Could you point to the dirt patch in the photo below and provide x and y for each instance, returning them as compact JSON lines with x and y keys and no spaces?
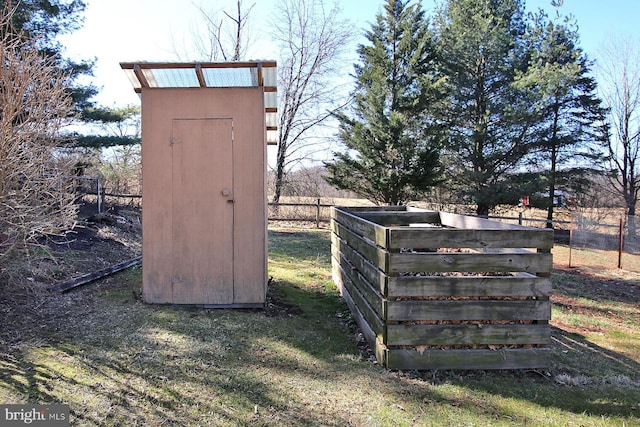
{"x":80,"y":238}
{"x":575,"y":306}
{"x":27,"y":307}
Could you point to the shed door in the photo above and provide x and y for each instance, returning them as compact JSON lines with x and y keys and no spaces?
{"x":202,"y":212}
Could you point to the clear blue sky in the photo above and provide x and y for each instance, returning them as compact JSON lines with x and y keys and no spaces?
{"x":126,"y":30}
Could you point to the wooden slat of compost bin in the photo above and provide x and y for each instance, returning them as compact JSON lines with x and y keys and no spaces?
{"x":468,"y":310}
{"x":366,"y":289}
{"x":464,"y":262}
{"x":517,"y":358}
{"x":375,"y":277}
{"x":365,"y":328}
{"x":418,"y":237}
{"x":377,"y":256}
{"x":472,"y":222}
{"x":470,"y":334}
{"x":402,"y":218}
{"x":369,"y":334}
{"x":347,"y":286}
{"x":360,"y":209}
{"x":367,"y":229}
{"x":495,"y":286}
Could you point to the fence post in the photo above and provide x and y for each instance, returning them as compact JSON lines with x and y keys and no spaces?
{"x":620,"y":241}
{"x":318,"y":214}
{"x":570,"y":239}
{"x":98,"y":195}
{"x":519,"y":218}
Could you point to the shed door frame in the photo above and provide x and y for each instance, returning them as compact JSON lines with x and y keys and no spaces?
{"x":203,"y":211}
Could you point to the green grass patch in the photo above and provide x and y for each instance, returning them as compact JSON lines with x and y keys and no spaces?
{"x":118,"y":361}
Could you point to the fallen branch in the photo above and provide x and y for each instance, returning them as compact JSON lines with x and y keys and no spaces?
{"x":90,"y":277}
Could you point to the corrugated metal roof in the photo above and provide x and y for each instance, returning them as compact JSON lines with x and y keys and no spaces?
{"x":211,"y":74}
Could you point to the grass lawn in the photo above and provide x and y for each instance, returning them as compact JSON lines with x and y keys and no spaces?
{"x":118,"y":361}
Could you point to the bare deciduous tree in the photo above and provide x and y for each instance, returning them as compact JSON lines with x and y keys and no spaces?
{"x":619,"y":76}
{"x":34,"y":189}
{"x":310,"y":38}
{"x":224,"y":37}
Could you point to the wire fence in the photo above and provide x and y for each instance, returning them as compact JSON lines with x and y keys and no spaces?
{"x":315,"y":213}
{"x":606,"y":242}
{"x":597,"y":238}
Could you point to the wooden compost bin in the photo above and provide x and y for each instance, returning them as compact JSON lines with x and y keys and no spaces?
{"x":435,"y":290}
{"x":205,"y":128}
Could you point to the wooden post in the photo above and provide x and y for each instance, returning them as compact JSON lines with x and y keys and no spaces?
{"x":90,"y":277}
{"x":99,"y":199}
{"x":519,"y":218}
{"x":620,"y":241}
{"x":103,"y":196}
{"x":570,"y":239}
{"x":318,"y":214}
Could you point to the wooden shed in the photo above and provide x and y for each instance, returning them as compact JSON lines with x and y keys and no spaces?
{"x":205,"y":128}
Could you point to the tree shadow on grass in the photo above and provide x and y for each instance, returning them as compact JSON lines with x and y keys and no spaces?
{"x":181,"y":365}
{"x":583,"y":283}
{"x":584,"y":378}
{"x":25,"y":379}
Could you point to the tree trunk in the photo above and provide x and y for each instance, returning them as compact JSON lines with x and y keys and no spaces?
{"x":279,"y":181}
{"x":482,"y":209}
{"x":631,"y":217}
{"x":550,"y":209}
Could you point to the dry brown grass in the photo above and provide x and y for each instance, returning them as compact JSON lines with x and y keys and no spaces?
{"x":35,"y":197}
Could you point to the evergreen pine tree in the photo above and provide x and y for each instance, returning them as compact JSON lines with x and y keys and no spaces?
{"x":42,"y":22}
{"x":570,"y":116}
{"x":392,"y":140}
{"x":481,"y":48}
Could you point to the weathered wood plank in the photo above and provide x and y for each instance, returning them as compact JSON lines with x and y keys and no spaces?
{"x":369,"y":334}
{"x":517,"y":358}
{"x":366,"y":289}
{"x":495,"y":286}
{"x":368,"y":312}
{"x":90,"y":277}
{"x":377,"y":256}
{"x":398,"y":218}
{"x":420,"y":237}
{"x":465,"y":262}
{"x":367,"y":229}
{"x":376,"y":278}
{"x":468,"y":334}
{"x":472,"y":222}
{"x":360,"y":209}
{"x":468,"y":310}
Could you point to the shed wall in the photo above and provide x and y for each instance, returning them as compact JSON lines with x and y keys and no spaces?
{"x":182,"y":197}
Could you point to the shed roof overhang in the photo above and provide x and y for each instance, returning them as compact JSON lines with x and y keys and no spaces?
{"x":211,"y":74}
